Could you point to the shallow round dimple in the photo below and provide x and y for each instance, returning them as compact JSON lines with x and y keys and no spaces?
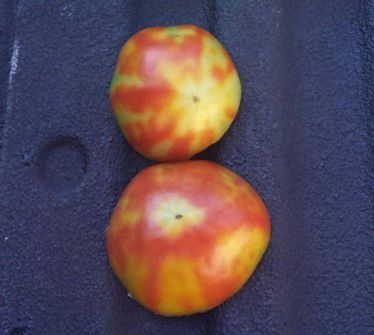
{"x":62,"y":164}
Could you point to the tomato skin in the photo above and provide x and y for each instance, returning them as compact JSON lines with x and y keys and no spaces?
{"x":175,"y":91}
{"x":184,"y":237}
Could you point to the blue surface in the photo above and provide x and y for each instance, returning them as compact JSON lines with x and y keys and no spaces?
{"x":303,"y":138}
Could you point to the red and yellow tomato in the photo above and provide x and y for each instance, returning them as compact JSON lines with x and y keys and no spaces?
{"x":184,"y":237}
{"x":175,"y":91}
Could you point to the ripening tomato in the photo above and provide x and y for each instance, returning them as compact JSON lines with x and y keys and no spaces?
{"x":184,"y":237}
{"x":175,"y":91}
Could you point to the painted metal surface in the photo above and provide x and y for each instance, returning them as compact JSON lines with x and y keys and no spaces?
{"x":303,"y":138}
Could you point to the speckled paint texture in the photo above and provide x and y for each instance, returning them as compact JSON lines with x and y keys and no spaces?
{"x":303,"y":138}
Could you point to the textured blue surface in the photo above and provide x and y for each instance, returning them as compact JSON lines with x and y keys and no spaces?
{"x":303,"y":138}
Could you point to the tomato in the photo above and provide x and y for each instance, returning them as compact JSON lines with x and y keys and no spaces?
{"x":175,"y":91}
{"x":184,"y":237}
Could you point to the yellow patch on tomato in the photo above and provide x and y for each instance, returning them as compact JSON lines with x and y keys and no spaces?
{"x":123,"y":116}
{"x":179,"y":287}
{"x":128,"y":50}
{"x":231,"y":190}
{"x":160,"y":150}
{"x":239,"y":252}
{"x":134,"y":277}
{"x":128,"y":80}
{"x":240,"y":189}
{"x":173,"y":213}
{"x":127,"y":215}
{"x":199,"y":96}
{"x":177,"y":33}
{"x":131,"y":217}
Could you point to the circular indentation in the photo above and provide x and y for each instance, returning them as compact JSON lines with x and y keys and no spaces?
{"x":62,"y":164}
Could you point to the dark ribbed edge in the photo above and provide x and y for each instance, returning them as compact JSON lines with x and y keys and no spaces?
{"x":365,"y":21}
{"x":7,"y":28}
